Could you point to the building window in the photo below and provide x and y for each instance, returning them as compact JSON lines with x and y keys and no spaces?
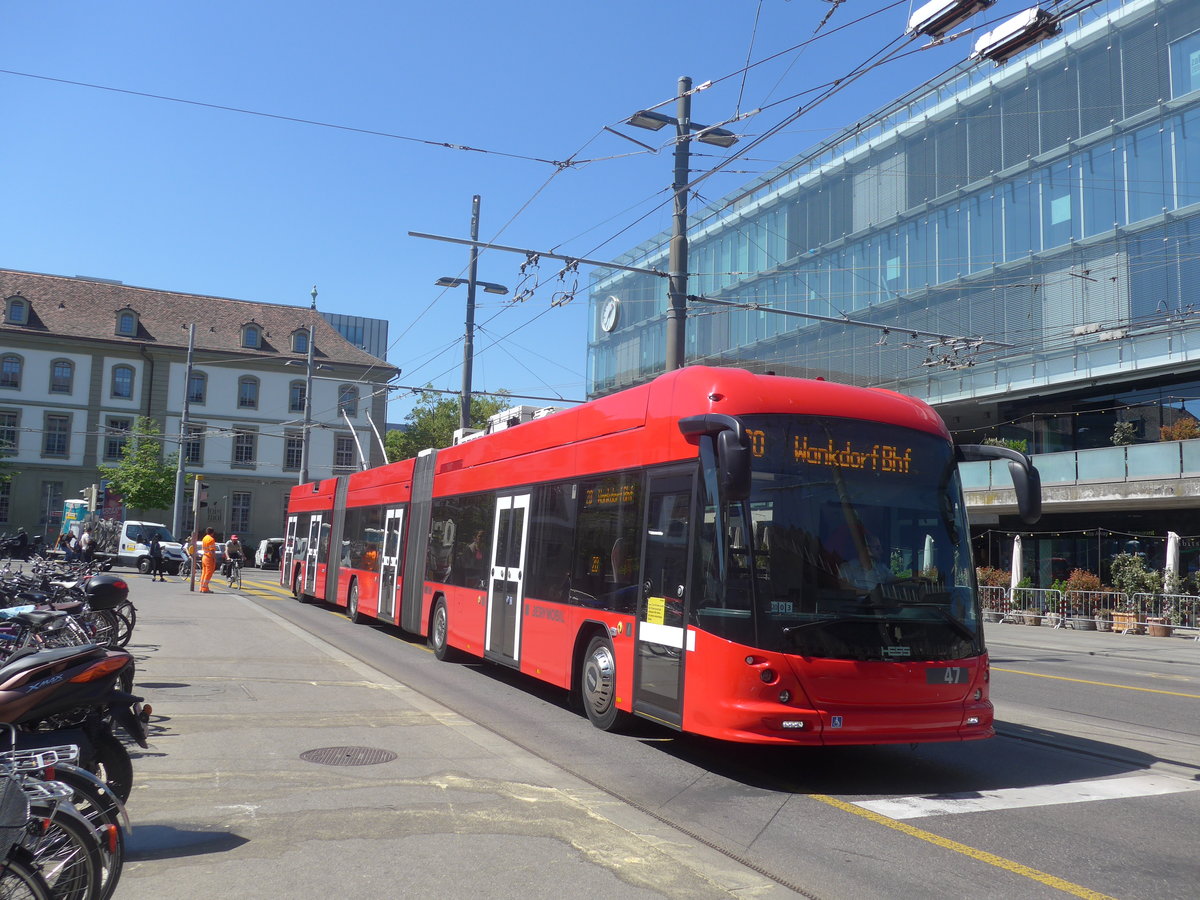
{"x":56,"y":436}
{"x":197,"y":387}
{"x":244,"y":447}
{"x":239,"y":512}
{"x":5,"y":500}
{"x":17,"y":312}
{"x":193,"y":445}
{"x":115,"y":436}
{"x":10,"y":421}
{"x":293,"y":451}
{"x":1185,"y":65}
{"x":348,"y":400}
{"x":251,"y":336}
{"x":127,"y":323}
{"x":296,"y":397}
{"x":122,"y":382}
{"x":300,"y":341}
{"x":10,"y":371}
{"x":247,"y":392}
{"x":343,"y":452}
{"x":62,"y":376}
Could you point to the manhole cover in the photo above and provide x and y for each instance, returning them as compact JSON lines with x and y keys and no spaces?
{"x":348,"y":756}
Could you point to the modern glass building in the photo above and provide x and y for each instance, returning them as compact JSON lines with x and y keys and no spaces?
{"x":1043,"y":217}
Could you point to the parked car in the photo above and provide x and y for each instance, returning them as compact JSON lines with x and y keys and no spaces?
{"x":267,"y":554}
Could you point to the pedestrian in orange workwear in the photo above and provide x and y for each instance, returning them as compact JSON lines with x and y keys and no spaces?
{"x":208,"y":560}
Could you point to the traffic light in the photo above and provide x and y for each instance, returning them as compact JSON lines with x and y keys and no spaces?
{"x":199,"y":496}
{"x":91,"y":494}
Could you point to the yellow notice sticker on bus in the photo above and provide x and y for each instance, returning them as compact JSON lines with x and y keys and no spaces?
{"x":656,"y":610}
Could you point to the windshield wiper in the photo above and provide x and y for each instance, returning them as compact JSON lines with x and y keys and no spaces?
{"x":956,"y":623}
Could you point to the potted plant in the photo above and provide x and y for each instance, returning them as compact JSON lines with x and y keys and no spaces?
{"x":1130,"y":576}
{"x":1079,"y":584}
{"x":1029,"y":616}
{"x":990,"y":577}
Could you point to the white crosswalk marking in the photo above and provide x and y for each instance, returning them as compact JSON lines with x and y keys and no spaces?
{"x":1042,"y":795}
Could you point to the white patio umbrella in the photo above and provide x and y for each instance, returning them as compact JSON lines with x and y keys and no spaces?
{"x":1018,"y":564}
{"x":927,"y":554}
{"x":1172,"y":553}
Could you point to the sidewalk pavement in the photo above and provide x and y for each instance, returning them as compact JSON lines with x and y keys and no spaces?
{"x":224,"y":804}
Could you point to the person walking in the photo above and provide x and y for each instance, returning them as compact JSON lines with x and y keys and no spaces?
{"x":85,"y":544}
{"x":156,"y":560}
{"x":208,"y":560}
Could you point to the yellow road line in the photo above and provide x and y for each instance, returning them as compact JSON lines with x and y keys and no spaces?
{"x":1124,"y":687}
{"x":983,"y":856}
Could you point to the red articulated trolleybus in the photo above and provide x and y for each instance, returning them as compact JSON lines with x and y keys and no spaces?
{"x":748,"y":557}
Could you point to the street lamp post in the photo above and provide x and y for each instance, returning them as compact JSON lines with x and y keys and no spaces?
{"x":308,"y":376}
{"x":469,"y":337}
{"x":177,"y":509}
{"x":678,"y":254}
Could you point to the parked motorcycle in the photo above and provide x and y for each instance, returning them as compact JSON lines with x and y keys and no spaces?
{"x":70,"y":695}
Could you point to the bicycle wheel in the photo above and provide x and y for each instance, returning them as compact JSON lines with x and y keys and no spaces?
{"x":67,"y":850}
{"x":235,"y":578}
{"x":102,"y":625}
{"x":102,"y":808}
{"x":185,"y":570}
{"x":126,"y":618}
{"x":20,"y":878}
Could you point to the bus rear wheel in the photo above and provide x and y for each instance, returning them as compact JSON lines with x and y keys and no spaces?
{"x":439,"y":632}
{"x":598,"y":684}
{"x":352,"y":612}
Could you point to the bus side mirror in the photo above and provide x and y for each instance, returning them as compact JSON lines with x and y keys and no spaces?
{"x":1027,"y":482}
{"x":733,"y":464}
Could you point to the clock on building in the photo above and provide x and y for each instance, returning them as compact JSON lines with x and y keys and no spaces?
{"x":610,"y":313}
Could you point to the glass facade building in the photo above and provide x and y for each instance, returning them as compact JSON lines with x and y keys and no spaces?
{"x":1043,"y":216}
{"x":1051,"y":205}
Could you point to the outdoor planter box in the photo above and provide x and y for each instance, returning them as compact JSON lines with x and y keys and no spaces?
{"x":1128,"y":622}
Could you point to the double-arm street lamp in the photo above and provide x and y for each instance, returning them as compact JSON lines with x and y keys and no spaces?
{"x":471,"y":282}
{"x":685,"y":130}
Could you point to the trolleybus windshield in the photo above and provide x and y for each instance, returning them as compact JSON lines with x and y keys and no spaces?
{"x":853,"y":544}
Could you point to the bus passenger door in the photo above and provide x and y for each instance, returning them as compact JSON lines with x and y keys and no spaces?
{"x":506,"y":587}
{"x":289,"y":551}
{"x":310,"y":557}
{"x":663,"y":599}
{"x":389,"y":562}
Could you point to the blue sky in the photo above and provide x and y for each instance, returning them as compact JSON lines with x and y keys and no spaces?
{"x":188,"y":197}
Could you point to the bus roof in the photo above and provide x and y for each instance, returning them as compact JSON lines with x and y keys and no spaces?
{"x":638,"y":426}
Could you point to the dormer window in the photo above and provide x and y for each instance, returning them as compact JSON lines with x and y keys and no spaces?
{"x":251,"y":336}
{"x":17,"y":311}
{"x":127,"y":323}
{"x":300,"y":341}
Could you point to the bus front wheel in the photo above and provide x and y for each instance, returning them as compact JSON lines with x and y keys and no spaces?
{"x":598,"y":684}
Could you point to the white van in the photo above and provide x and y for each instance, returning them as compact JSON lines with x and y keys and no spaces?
{"x":268,"y":552}
{"x":133,"y":546}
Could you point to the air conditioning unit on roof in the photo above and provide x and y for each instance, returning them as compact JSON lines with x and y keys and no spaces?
{"x":507,"y":418}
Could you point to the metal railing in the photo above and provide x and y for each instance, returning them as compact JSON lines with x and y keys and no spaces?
{"x":1142,"y":613}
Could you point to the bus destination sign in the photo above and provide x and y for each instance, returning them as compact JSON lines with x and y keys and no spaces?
{"x":870,"y":458}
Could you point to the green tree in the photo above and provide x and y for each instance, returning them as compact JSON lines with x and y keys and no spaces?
{"x":433,"y":421}
{"x":143,"y":478}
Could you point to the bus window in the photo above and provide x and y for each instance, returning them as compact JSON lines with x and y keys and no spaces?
{"x":607,"y":560}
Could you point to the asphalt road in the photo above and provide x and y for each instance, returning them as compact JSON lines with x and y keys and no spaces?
{"x":1091,"y":788}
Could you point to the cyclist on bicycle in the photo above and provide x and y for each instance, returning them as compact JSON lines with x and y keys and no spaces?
{"x":233,"y":551}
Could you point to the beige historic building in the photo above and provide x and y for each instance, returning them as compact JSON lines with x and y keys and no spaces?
{"x":81,"y":359}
